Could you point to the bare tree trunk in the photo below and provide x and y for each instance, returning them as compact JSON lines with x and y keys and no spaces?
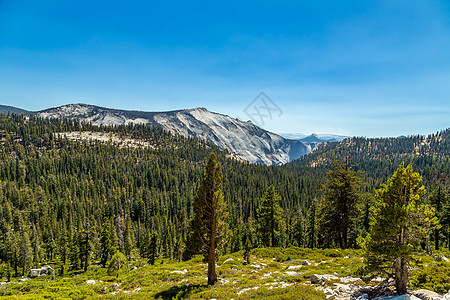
{"x":212,"y":276}
{"x":345,"y":238}
{"x":401,"y":275}
{"x":272,"y":225}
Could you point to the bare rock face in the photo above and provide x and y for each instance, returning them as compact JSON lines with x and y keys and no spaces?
{"x":244,"y":140}
{"x":44,"y":271}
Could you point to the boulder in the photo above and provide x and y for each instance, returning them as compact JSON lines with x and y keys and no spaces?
{"x":319,"y":278}
{"x":328,"y":291}
{"x":35,"y":273}
{"x":349,"y":279}
{"x":90,"y":281}
{"x":294,"y":267}
{"x":305,"y":263}
{"x":43,"y":271}
{"x":341,"y":287}
{"x":426,"y":294}
{"x":397,"y":297}
{"x":315,"y":278}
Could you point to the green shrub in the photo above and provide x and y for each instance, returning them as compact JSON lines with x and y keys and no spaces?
{"x":116,"y":263}
{"x":435,"y":277}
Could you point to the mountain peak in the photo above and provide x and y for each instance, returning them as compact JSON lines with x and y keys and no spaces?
{"x":197,"y":109}
{"x":313,"y":138}
{"x":244,"y":140}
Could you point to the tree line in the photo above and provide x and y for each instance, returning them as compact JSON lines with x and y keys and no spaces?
{"x":78,"y":202}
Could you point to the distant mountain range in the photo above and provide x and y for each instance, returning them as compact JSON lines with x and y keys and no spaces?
{"x":314,"y":138}
{"x":244,"y":140}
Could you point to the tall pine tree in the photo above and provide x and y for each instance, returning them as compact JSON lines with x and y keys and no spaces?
{"x":209,"y":224}
{"x":269,"y":216}
{"x":338,"y":206}
{"x":398,"y":225}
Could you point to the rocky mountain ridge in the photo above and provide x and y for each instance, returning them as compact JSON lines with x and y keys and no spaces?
{"x":244,"y":140}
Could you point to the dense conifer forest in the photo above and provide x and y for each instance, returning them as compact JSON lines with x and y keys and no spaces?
{"x":75,"y":202}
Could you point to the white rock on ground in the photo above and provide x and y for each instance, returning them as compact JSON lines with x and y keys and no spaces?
{"x":43,"y":271}
{"x":90,"y":281}
{"x":269,"y":274}
{"x":315,"y":278}
{"x":306,"y":263}
{"x":349,"y":279}
{"x":397,"y":297}
{"x":341,"y":287}
{"x":247,"y":289}
{"x":294,"y":267}
{"x":229,"y":259}
{"x":291,"y":273}
{"x":426,"y":294}
{"x":180,"y":272}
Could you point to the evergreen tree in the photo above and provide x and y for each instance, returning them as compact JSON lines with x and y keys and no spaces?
{"x":339,"y":204}
{"x":311,"y":232}
{"x":153,"y":248}
{"x":85,"y":248}
{"x":444,"y":217}
{"x":398,"y":225}
{"x":144,"y":245}
{"x":74,"y":252}
{"x":26,"y":254}
{"x":63,"y":251}
{"x":106,"y":248}
{"x":299,"y":230}
{"x":209,"y":226}
{"x":128,"y":243}
{"x":116,"y":263}
{"x":247,"y":241}
{"x":269,"y":217}
{"x":437,"y":199}
{"x":13,"y":251}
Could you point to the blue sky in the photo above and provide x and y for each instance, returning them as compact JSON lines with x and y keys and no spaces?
{"x":364,"y":68}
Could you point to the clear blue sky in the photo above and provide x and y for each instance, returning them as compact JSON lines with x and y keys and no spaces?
{"x":365,"y":68}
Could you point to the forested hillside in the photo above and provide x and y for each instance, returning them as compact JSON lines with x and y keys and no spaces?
{"x":379,"y":157}
{"x":62,"y":199}
{"x":60,"y":192}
